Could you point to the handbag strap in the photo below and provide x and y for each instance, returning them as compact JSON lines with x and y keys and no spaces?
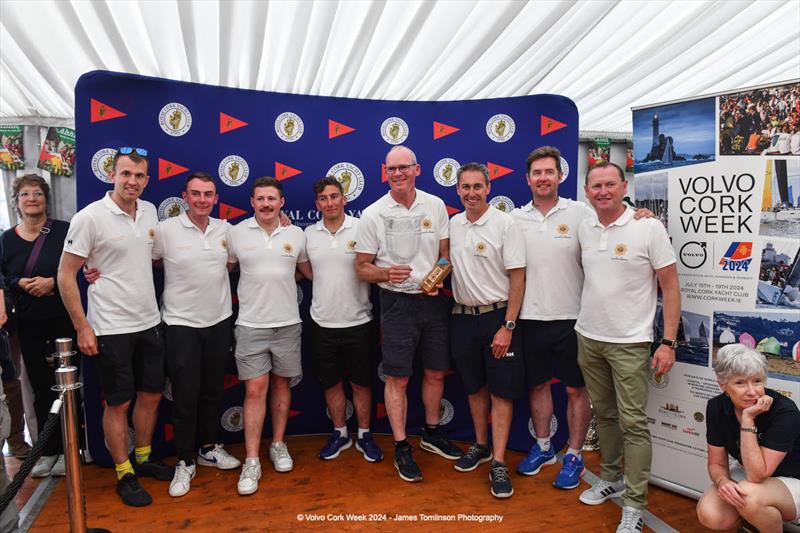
{"x":37,"y":248}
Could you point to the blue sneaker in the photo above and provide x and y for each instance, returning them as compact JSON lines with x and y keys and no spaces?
{"x":571,"y":472}
{"x":371,"y":452}
{"x":335,"y":445}
{"x":535,"y":460}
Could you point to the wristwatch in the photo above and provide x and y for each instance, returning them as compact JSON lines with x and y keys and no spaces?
{"x":510,"y":325}
{"x":669,"y":342}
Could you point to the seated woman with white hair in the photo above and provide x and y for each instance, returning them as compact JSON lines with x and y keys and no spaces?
{"x":760,"y":428}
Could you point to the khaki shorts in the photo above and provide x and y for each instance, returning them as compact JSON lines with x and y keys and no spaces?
{"x":263,"y":350}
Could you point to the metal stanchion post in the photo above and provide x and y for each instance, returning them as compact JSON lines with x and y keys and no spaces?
{"x":67,"y":382}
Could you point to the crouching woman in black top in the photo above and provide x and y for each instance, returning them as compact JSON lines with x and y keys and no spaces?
{"x":760,"y":428}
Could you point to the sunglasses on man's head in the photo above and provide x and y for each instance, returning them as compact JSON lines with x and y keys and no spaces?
{"x":127,"y":150}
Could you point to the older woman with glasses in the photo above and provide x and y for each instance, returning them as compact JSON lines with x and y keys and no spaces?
{"x":760,"y":428}
{"x":30,"y":255}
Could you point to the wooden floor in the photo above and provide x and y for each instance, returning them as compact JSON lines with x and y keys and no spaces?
{"x":348,"y":484}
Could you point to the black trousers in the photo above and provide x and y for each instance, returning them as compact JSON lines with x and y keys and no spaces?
{"x":37,"y":341}
{"x":196,"y":361}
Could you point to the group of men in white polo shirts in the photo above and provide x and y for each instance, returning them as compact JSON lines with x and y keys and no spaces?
{"x":490,"y":252}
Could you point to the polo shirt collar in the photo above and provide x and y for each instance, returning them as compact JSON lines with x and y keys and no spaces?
{"x":114,"y":208}
{"x":253,"y":223}
{"x":187,"y":222}
{"x":481,"y":221}
{"x":562,"y":203}
{"x":623,"y":219}
{"x":348,"y":223}
{"x":419,"y":199}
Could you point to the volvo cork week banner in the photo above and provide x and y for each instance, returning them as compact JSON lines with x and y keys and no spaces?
{"x":239,"y":135}
{"x":723,"y":173}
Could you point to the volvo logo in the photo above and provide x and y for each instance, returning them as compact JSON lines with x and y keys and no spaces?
{"x":693,"y":254}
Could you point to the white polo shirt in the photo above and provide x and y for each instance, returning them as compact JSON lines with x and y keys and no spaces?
{"x":619,"y":293}
{"x":554,"y":275}
{"x":123,"y":299}
{"x":482,"y":252}
{"x":267,"y":290}
{"x":197,"y":290}
{"x":339,"y":299}
{"x":427,"y":211}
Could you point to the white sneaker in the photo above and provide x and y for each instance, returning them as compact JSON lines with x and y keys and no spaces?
{"x":248,"y":479}
{"x":218,"y":457}
{"x":182,"y":481}
{"x":602,"y":491}
{"x":60,"y":468}
{"x":44,"y":466}
{"x":631,"y":521}
{"x":279,"y":455}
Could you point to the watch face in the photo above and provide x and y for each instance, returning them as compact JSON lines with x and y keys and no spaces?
{"x":511,"y":324}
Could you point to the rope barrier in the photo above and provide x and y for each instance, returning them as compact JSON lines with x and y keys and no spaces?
{"x":53,"y":420}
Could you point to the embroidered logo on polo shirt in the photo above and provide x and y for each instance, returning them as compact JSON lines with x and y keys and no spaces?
{"x":562,"y":232}
{"x":426,"y":224}
{"x":224,"y":244}
{"x":287,"y":249}
{"x":351,"y":246}
{"x":480,"y":249}
{"x":621,"y":252}
{"x":152,"y":233}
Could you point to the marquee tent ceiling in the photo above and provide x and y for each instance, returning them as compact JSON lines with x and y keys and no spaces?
{"x":606,"y":55}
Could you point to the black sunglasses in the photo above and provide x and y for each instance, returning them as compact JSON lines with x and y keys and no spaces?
{"x":127,"y":150}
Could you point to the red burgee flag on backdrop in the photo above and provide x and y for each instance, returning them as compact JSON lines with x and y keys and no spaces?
{"x":167,"y":169}
{"x":169,"y":432}
{"x":549,"y":125}
{"x":380,"y":410}
{"x":452,"y":210}
{"x":292,"y":413}
{"x":384,"y":179}
{"x":228,"y":212}
{"x":442,"y":130}
{"x":285,"y":171}
{"x":337,"y":128}
{"x":230,"y":380}
{"x":228,"y":123}
{"x":496,"y":171}
{"x":100,"y":111}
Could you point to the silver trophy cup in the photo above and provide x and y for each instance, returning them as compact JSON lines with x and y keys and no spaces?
{"x":403,"y":241}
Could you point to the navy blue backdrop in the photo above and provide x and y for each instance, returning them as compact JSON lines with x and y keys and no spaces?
{"x":237,"y":135}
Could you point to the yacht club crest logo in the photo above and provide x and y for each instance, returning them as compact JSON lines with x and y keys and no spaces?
{"x":553,"y":427}
{"x":563,"y":230}
{"x":175,"y":119}
{"x":480,"y":248}
{"x":348,"y":411}
{"x":564,"y":170}
{"x":394,"y":130}
{"x":289,"y":126}
{"x":172,"y":207}
{"x":233,"y":170}
{"x":446,"y":412}
{"x":503,"y":203}
{"x":102,"y":164}
{"x":446,"y":171}
{"x":621,"y":251}
{"x":500,"y":128}
{"x":350,"y":177}
{"x":233,"y":419}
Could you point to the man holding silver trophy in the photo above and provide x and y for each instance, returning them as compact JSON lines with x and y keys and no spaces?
{"x":401,"y":239}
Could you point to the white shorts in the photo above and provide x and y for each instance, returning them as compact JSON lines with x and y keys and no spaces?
{"x":794,"y":489}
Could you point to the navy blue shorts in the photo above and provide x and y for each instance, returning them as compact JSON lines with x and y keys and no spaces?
{"x":414,"y":325}
{"x":130,"y":362}
{"x":547,"y":343}
{"x":471,"y":348}
{"x":343,"y":352}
